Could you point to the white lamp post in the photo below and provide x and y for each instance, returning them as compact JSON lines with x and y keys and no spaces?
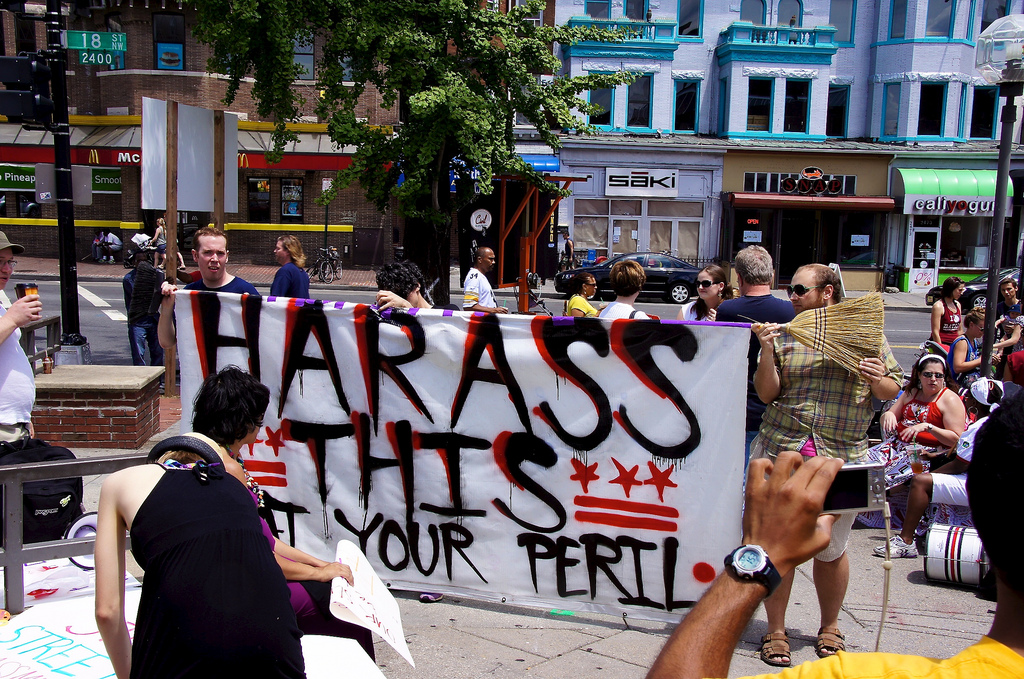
{"x":999,"y":60}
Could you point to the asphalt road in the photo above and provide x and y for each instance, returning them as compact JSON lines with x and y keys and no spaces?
{"x":104,"y":324}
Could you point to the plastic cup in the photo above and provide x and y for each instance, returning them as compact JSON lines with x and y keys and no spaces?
{"x":916,"y":463}
{"x":26,"y":289}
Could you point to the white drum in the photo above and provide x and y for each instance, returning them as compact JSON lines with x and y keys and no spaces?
{"x":955,"y":554}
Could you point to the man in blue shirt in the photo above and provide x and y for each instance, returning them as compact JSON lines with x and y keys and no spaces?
{"x":754,"y":272}
{"x":211,"y":256}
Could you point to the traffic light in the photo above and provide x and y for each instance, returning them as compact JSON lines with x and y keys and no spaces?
{"x":27,"y":97}
{"x":16,"y":7}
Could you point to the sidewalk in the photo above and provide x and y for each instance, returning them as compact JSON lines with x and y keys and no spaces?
{"x":358,"y":279}
{"x":459,"y":638}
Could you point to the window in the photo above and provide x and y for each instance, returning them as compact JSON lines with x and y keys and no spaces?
{"x":752,"y":11}
{"x":686,"y":106}
{"x":291,"y":199}
{"x":635,"y":9}
{"x":835,"y":116}
{"x":790,"y":12}
{"x":940,"y":14}
{"x":898,"y":19}
{"x":535,"y":19}
{"x":983,"y":112}
{"x":302,"y":56}
{"x":599,"y":9}
{"x":638,"y":104}
{"x":840,"y":15}
{"x":859,"y":234}
{"x":759,"y":105}
{"x":493,"y":6}
{"x":795,"y":119}
{"x":602,"y":98}
{"x":169,"y":42}
{"x":24,"y":34}
{"x":723,"y":106}
{"x":992,"y":10}
{"x":891,"y":110}
{"x":689,"y":18}
{"x":259,"y":200}
{"x":930,"y":113}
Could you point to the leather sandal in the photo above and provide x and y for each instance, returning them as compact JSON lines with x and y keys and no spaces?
{"x":775,"y":650}
{"x":830,"y":641}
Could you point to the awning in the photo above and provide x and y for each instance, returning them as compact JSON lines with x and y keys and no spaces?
{"x":779,"y":200}
{"x":967,"y":183}
{"x":542,"y":163}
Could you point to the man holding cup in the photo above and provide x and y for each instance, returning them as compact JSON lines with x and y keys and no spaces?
{"x":17,"y":382}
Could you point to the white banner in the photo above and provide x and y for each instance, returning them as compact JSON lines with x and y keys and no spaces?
{"x":576,"y":463}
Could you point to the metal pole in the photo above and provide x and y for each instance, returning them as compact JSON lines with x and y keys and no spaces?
{"x":995,"y":251}
{"x":56,"y":56}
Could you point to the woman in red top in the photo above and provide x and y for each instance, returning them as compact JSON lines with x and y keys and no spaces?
{"x":946,"y":313}
{"x":927,"y":413}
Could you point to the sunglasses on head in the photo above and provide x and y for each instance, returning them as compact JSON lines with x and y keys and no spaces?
{"x":800,"y":290}
{"x":933,"y":376}
{"x":705,"y":283}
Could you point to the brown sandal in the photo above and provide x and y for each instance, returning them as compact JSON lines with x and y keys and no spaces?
{"x":830,"y":641}
{"x":775,"y":650}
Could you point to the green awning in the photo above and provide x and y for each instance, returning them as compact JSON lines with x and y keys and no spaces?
{"x":980,"y":183}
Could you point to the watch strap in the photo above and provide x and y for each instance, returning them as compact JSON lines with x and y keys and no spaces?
{"x":767,"y":575}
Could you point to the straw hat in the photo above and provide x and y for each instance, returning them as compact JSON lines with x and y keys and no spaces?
{"x":5,"y":243}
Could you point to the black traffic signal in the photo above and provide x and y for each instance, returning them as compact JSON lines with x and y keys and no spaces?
{"x":16,"y":7}
{"x":27,"y":97}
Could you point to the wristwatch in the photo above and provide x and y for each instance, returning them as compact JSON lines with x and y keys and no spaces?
{"x":750,"y":562}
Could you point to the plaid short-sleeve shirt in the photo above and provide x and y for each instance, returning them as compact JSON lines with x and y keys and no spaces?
{"x":819,"y":397}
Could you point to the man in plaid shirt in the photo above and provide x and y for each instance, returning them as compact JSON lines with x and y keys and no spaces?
{"x":817,"y":407}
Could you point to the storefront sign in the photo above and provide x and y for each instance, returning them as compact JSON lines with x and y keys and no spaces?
{"x":974,"y":206}
{"x":106,"y":180}
{"x":812,"y":181}
{"x":631,"y":182}
{"x":23,"y":178}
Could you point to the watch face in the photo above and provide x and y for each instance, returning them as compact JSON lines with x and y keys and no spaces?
{"x":749,"y":560}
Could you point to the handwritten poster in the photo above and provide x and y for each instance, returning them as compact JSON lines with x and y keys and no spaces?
{"x":577,"y":463}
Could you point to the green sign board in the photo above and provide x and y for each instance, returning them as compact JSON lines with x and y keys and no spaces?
{"x":23,"y":178}
{"x":106,"y":180}
{"x":95,"y":58}
{"x":88,"y":40}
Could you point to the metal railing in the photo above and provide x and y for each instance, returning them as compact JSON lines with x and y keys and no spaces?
{"x":15,"y":553}
{"x":633,"y":29}
{"x":740,"y":32}
{"x":28,"y":340}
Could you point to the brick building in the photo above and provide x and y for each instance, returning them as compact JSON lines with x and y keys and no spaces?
{"x":164,"y":61}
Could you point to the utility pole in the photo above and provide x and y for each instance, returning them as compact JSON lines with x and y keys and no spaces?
{"x":56,"y":55}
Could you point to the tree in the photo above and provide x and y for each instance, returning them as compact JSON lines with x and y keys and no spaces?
{"x":458,"y":71}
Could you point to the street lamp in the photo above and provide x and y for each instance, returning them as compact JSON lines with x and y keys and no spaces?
{"x":999,"y":60}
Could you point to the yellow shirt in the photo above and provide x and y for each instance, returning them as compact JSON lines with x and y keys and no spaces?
{"x":987,"y":659}
{"x":580,"y":302}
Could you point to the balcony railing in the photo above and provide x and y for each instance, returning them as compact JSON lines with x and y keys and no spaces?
{"x":742,"y":41}
{"x":740,"y":32}
{"x":644,"y":31}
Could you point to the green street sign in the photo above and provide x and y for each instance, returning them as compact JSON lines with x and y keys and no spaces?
{"x":88,"y":40}
{"x":94,"y":58}
{"x":106,"y":180}
{"x":17,"y":177}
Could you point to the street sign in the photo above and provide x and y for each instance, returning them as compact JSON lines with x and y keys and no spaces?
{"x":96,"y":58}
{"x":88,"y":40}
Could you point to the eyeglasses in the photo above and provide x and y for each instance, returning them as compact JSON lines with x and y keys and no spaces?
{"x":12,"y":263}
{"x":592,"y":284}
{"x":933,"y":376}
{"x":705,"y":283}
{"x":799,"y":290}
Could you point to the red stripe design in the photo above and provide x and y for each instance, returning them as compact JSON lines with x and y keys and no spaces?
{"x":271,"y":481}
{"x":626,"y":506}
{"x":639,"y":522}
{"x":266,"y":466}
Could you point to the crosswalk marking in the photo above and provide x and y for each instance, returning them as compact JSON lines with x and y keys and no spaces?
{"x":102,"y":305}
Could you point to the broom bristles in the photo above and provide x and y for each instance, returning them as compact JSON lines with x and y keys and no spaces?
{"x":846,"y":332}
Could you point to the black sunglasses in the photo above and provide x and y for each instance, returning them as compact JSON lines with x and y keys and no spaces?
{"x":705,"y":284}
{"x":800,"y":290}
{"x":933,"y":376}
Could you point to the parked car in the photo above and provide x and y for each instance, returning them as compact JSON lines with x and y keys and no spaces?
{"x":974,"y":291}
{"x":667,"y":277}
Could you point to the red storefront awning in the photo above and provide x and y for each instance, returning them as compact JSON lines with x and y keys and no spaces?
{"x":779,"y":200}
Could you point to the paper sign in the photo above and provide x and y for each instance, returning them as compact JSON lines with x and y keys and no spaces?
{"x":368,"y":603}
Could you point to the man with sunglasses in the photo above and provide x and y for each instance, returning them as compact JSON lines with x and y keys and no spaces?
{"x":816,"y":407}
{"x":754,"y":272}
{"x":19,"y":385}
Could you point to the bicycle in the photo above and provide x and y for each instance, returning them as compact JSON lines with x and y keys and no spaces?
{"x":327,"y":266}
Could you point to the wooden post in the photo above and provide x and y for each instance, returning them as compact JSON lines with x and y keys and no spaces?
{"x":171,"y":222}
{"x":218,"y":169}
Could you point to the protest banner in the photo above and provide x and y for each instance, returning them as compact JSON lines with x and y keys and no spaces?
{"x":577,"y":463}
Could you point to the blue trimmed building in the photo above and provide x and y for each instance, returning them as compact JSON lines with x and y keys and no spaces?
{"x":740,"y":101}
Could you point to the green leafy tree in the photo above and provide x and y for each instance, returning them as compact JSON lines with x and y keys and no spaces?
{"x":459,"y":73}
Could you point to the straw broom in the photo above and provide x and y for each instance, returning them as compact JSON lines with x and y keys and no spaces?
{"x":846,"y":332}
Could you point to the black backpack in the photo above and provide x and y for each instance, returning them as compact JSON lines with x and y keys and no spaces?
{"x":49,"y":506}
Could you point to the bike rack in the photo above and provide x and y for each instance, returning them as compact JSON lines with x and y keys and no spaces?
{"x":15,"y":553}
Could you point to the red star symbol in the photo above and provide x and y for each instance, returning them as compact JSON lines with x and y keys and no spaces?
{"x":660,"y":480}
{"x":275,"y":440}
{"x":584,"y":473}
{"x":627,"y":479}
{"x":252,"y":446}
